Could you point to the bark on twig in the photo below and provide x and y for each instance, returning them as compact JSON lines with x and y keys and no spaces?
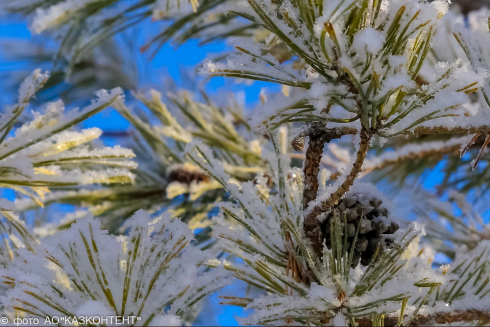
{"x":311,"y":166}
{"x":436,"y":318}
{"x":443,"y":130}
{"x":312,"y":223}
{"x":330,"y":133}
{"x":438,"y":130}
{"x":318,"y":136}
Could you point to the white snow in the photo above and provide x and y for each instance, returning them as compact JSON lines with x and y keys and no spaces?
{"x":47,"y":18}
{"x":369,"y":39}
{"x":166,"y":320}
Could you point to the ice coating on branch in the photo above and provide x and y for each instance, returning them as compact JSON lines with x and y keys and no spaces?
{"x":448,"y":95}
{"x":31,"y":84}
{"x":270,"y":112}
{"x":412,"y":151}
{"x":27,"y":90}
{"x":400,"y":81}
{"x":98,"y":153}
{"x":268,"y":116}
{"x":55,"y":119}
{"x":250,"y":63}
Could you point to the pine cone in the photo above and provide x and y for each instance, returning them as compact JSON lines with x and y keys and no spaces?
{"x":298,"y":143}
{"x":186,"y":174}
{"x":374,"y":225}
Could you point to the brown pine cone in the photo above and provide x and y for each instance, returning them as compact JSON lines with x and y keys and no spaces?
{"x":186,"y":174}
{"x":298,"y":143}
{"x":374,"y":225}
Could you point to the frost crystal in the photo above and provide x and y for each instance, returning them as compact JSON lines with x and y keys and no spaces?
{"x":57,"y":14}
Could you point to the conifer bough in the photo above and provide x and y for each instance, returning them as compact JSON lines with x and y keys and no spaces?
{"x":355,"y":68}
{"x":361,"y":60}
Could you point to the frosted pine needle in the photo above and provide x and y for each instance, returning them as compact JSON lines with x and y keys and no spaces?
{"x":152,"y":273}
{"x":43,"y":153}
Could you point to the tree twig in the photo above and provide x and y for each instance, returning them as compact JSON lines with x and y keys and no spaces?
{"x":312,"y":224}
{"x":318,"y":135}
{"x":443,"y":130}
{"x":331,"y":133}
{"x":311,"y":166}
{"x":458,"y":316}
{"x":426,"y":130}
{"x":311,"y":220}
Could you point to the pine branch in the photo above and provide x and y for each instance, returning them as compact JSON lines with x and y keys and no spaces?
{"x":312,"y":167}
{"x":311,"y":222}
{"x":458,"y":316}
{"x":413,"y":152}
{"x":445,"y":130}
{"x":84,"y":264}
{"x":346,"y":185}
{"x":318,"y":136}
{"x":330,"y":133}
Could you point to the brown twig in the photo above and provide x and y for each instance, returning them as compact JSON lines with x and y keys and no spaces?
{"x":432,"y":319}
{"x":443,"y":130}
{"x":312,"y":223}
{"x":311,"y":167}
{"x":324,"y":161}
{"x":438,"y":130}
{"x":318,"y":136}
{"x":468,"y":146}
{"x":482,"y":150}
{"x":331,"y":133}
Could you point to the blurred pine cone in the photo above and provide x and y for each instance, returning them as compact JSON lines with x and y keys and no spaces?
{"x":186,"y":174}
{"x":467,"y":6}
{"x":369,"y":212}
